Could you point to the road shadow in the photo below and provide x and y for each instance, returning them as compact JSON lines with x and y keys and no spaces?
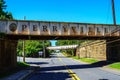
{"x":103,"y":79}
{"x":78,"y":66}
{"x":50,"y":76}
{"x":37,"y":63}
{"x":101,"y":63}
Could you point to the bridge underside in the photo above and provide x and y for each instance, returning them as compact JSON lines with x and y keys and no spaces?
{"x":30,"y":37}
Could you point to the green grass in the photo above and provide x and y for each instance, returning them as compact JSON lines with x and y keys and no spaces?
{"x":22,"y":64}
{"x":115,"y":65}
{"x":88,"y":60}
{"x":67,"y":55}
{"x":74,"y":57}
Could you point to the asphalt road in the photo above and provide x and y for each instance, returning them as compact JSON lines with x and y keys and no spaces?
{"x":50,"y":69}
{"x":57,"y":68}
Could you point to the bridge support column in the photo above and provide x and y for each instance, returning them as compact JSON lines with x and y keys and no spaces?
{"x":113,"y":50}
{"x":8,"y":56}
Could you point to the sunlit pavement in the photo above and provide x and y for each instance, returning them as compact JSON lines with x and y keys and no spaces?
{"x":54,"y":69}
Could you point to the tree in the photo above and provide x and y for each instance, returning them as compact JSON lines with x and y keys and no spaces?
{"x":32,"y":47}
{"x":3,"y":14}
{"x":9,"y":16}
{"x":69,"y":42}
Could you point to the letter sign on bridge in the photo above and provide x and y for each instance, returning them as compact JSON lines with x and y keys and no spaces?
{"x":46,"y":28}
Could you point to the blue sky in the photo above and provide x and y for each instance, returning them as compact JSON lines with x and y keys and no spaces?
{"x":87,"y":11}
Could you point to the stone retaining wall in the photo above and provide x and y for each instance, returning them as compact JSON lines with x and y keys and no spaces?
{"x":95,"y":49}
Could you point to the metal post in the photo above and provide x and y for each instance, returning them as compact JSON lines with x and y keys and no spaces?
{"x":113,"y":12}
{"x":44,"y":55}
{"x":23,"y":51}
{"x":24,"y":45}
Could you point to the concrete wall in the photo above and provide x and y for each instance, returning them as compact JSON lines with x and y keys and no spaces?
{"x":95,"y":49}
{"x":8,"y":56}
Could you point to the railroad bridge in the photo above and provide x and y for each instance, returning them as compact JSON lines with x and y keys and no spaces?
{"x":14,"y":30}
{"x":62,"y":47}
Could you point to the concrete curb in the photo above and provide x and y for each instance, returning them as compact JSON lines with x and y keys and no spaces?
{"x":19,"y":75}
{"x":24,"y":76}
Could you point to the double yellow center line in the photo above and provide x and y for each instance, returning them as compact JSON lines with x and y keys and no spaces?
{"x":72,"y":74}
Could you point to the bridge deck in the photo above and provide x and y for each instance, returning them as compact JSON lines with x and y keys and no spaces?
{"x":18,"y":29}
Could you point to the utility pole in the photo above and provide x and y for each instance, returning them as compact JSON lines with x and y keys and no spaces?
{"x":23,"y":51}
{"x":44,"y":54}
{"x":24,"y":45}
{"x":113,"y":12}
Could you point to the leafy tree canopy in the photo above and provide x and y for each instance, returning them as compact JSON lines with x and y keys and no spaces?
{"x":32,"y":47}
{"x":4,"y":15}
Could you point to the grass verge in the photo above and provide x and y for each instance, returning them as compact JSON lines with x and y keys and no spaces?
{"x":88,"y":60}
{"x":115,"y":65}
{"x":22,"y":64}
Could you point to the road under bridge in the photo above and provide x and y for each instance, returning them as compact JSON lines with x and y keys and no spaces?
{"x":12,"y":31}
